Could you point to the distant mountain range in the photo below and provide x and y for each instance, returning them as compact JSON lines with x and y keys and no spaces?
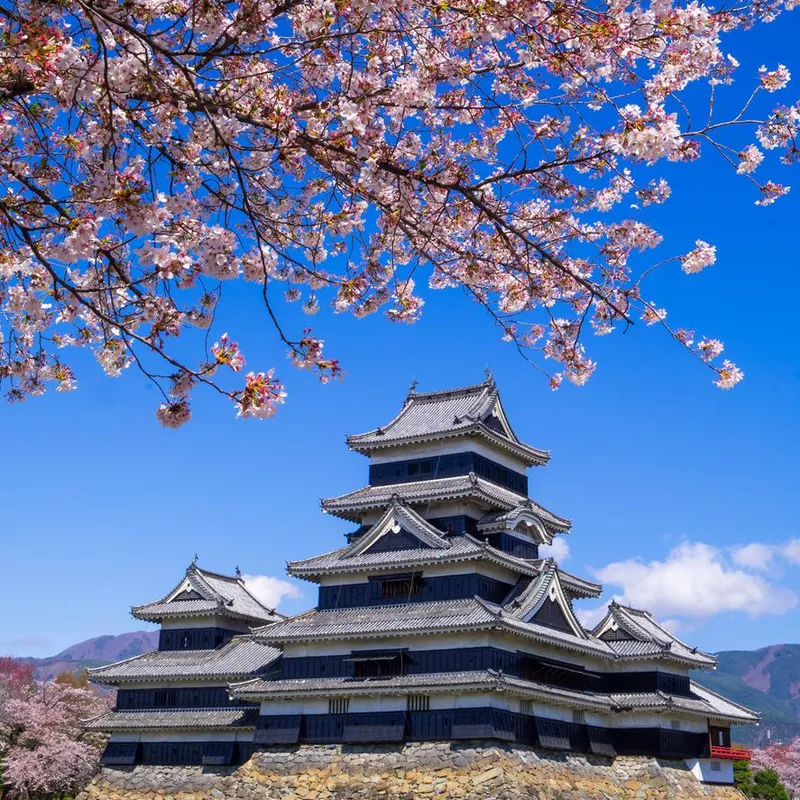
{"x":94,"y":653}
{"x":766,"y":680}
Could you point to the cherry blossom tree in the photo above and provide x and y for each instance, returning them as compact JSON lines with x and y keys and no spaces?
{"x":785,"y":760}
{"x":354,"y":154}
{"x":44,"y":749}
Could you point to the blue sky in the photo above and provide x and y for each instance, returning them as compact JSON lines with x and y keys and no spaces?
{"x":665,"y":477}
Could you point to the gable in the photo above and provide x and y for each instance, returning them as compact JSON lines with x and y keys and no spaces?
{"x":551,"y":615}
{"x":396,"y":540}
{"x":187,"y":594}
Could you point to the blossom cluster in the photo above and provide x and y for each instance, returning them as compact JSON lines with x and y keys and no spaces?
{"x":785,"y":760}
{"x":151,"y":153}
{"x":44,"y":747}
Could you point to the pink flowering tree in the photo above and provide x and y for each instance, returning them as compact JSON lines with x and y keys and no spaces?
{"x":44,"y":752}
{"x":355,"y":155}
{"x":785,"y":760}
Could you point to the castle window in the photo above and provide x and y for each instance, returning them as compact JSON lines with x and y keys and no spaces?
{"x":400,"y":587}
{"x":418,"y":702}
{"x":676,"y":725}
{"x":526,"y":707}
{"x":338,"y":705}
{"x":578,"y":717}
{"x":376,"y":665}
{"x":716,"y":766}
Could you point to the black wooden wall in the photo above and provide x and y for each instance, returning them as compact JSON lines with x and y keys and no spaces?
{"x":443,"y":587}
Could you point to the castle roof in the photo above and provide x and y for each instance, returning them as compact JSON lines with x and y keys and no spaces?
{"x":462,"y":549}
{"x":461,"y":487}
{"x":435,"y":617}
{"x":242,"y":657}
{"x":633,"y":633}
{"x":469,"y":411}
{"x":439,"y":682}
{"x":180,"y":719}
{"x":701,"y":702}
{"x":201,"y":593}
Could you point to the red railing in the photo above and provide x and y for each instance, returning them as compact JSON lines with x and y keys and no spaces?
{"x":730,"y":752}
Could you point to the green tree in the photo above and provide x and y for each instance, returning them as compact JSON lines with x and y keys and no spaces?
{"x":743,"y":777}
{"x":767,"y":785}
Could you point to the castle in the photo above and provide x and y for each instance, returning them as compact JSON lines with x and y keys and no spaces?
{"x":436,"y":621}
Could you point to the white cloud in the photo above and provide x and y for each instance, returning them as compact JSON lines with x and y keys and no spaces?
{"x":791,"y":551}
{"x":696,"y":580}
{"x":271,"y":591}
{"x":559,"y":550}
{"x":590,"y":617}
{"x":755,"y":555}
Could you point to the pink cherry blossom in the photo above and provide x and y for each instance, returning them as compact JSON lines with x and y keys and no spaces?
{"x":703,"y":255}
{"x":749,"y":159}
{"x":784,"y":759}
{"x":773,"y":80}
{"x":44,"y":747}
{"x":729,"y":375}
{"x":351,"y":157}
{"x":227,"y":352}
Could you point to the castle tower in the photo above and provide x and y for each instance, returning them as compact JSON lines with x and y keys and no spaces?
{"x":438,"y":620}
{"x":173,"y":705}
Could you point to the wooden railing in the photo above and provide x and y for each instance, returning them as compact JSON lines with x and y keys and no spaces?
{"x":737,"y":753}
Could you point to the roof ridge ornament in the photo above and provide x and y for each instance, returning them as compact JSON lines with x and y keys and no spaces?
{"x":489,"y":377}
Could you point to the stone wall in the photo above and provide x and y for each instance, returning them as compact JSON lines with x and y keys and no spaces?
{"x":411,"y":771}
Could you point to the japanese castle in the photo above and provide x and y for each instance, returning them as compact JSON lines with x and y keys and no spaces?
{"x":437,"y":620}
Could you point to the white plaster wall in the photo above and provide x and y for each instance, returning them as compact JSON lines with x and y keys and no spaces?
{"x":205,"y":622}
{"x":704,"y":769}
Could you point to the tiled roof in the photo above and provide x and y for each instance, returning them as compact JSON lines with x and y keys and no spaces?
{"x":527,"y":514}
{"x":702,"y":701}
{"x":428,"y":416}
{"x":724,"y":708}
{"x":240,"y":658}
{"x":398,"y":516}
{"x":376,"y":622}
{"x":477,"y":680}
{"x":379,"y":621}
{"x":204,"y":593}
{"x":462,"y":549}
{"x":633,"y":633}
{"x":183,"y":719}
{"x":352,"y":505}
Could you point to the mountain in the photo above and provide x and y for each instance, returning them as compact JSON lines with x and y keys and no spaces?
{"x":766,"y":680}
{"x":94,"y":653}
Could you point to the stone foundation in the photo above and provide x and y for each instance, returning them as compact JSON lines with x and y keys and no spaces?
{"x":411,"y":771}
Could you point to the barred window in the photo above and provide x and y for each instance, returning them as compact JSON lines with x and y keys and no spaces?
{"x":526,"y":707}
{"x":716,"y":766}
{"x":418,"y":702}
{"x":578,"y":717}
{"x":676,"y":725}
{"x":338,"y":705}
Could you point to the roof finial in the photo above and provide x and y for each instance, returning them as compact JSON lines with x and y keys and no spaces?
{"x":238,"y":572}
{"x":195,"y":560}
{"x":413,"y":387}
{"x":488,"y":373}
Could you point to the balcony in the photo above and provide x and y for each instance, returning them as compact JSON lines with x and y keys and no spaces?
{"x":734,"y":753}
